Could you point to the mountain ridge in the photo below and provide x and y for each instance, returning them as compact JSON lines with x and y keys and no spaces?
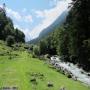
{"x":58,"y":22}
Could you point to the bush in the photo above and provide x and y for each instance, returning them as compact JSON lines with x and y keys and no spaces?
{"x":69,"y":75}
{"x":36,"y":50}
{"x":47,"y":56}
{"x":34,"y":56}
{"x":10,"y":40}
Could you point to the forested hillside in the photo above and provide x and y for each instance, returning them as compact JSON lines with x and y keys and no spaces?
{"x":72,"y":40}
{"x":7,"y":29}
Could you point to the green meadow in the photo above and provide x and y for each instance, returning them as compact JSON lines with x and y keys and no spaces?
{"x":18,"y":69}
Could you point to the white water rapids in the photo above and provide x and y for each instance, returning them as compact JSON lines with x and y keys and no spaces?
{"x":74,"y":69}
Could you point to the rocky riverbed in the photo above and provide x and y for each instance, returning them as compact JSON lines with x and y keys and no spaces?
{"x":75,"y":72}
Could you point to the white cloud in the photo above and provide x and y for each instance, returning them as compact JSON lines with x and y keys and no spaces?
{"x":13,"y":14}
{"x":39,"y":13}
{"x":28,"y":18}
{"x":18,"y":16}
{"x":49,"y":16}
{"x":27,"y":34}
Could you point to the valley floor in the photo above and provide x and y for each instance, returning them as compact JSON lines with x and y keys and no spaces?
{"x":19,"y":71}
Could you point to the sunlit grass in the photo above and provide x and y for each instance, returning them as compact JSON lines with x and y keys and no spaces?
{"x":18,"y":72}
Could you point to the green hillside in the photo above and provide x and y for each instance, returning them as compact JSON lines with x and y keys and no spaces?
{"x":19,"y":70}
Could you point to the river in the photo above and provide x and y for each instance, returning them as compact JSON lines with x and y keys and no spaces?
{"x":74,"y":69}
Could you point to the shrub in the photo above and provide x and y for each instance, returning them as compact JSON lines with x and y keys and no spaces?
{"x":10,"y":40}
{"x":69,"y":76}
{"x":47,"y":56}
{"x":36,"y":50}
{"x":33,"y":55}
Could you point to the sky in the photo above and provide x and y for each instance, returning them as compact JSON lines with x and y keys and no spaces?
{"x":32,"y":16}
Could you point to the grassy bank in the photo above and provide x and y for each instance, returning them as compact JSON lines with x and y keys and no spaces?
{"x":27,"y":73}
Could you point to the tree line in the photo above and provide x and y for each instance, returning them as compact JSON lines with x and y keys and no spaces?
{"x":72,"y":40}
{"x":7,"y":30}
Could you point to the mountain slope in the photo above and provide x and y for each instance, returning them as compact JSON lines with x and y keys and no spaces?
{"x":59,"y":21}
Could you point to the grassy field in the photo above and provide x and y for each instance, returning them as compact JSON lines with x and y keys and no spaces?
{"x":20,"y":71}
